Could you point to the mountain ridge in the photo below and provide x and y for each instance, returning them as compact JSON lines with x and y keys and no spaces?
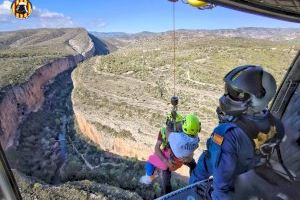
{"x":244,"y":32}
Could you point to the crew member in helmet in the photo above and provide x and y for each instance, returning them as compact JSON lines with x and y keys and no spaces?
{"x":236,"y":144}
{"x":173,"y":149}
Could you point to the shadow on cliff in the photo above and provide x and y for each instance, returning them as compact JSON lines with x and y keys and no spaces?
{"x":52,"y":149}
{"x":102,"y":47}
{"x":88,"y":161}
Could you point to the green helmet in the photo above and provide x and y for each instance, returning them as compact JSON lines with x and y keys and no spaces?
{"x":191,"y":125}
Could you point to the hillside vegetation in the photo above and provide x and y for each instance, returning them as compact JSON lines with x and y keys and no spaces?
{"x":126,"y":94}
{"x":22,"y":52}
{"x":32,"y":188}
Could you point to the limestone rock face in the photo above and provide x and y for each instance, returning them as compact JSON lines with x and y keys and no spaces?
{"x":27,"y":97}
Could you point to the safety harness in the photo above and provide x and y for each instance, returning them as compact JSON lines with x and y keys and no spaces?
{"x":163,"y":131}
{"x":172,"y":119}
{"x":264,"y":143}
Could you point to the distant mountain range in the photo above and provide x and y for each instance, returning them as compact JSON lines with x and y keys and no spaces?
{"x":123,"y":34}
{"x":247,"y":32}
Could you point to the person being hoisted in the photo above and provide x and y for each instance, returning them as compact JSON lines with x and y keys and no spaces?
{"x":247,"y":130}
{"x":173,"y":149}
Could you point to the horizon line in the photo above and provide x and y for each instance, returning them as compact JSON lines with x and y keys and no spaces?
{"x":179,"y":29}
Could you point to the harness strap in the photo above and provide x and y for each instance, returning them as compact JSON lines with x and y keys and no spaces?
{"x":289,"y":174}
{"x":257,"y":137}
{"x":164,"y":137}
{"x":253,"y":132}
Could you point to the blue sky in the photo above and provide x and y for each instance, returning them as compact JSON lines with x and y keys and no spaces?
{"x":130,"y":16}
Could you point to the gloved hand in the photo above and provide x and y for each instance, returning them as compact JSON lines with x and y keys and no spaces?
{"x":204,"y":190}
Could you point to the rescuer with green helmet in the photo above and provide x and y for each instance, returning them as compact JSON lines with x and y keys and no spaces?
{"x":173,"y":149}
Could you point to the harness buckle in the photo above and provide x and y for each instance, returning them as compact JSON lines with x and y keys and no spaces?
{"x":268,"y":148}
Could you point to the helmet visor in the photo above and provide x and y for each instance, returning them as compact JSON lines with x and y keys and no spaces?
{"x":236,"y":94}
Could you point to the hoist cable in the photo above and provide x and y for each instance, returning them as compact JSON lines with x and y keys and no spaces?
{"x":174,"y":50}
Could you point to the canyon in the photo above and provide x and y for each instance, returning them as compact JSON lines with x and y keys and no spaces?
{"x":89,"y":112}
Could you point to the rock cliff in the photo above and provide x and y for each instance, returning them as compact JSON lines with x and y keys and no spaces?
{"x":21,"y":99}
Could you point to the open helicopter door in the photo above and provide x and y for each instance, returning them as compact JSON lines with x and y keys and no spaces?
{"x":8,"y":186}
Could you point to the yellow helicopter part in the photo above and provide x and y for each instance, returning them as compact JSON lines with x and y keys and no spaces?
{"x":197,"y":3}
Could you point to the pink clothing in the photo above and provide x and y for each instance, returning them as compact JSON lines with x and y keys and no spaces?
{"x":157,"y":162}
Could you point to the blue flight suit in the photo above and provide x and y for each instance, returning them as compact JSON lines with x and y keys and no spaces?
{"x":229,"y":153}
